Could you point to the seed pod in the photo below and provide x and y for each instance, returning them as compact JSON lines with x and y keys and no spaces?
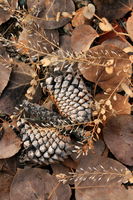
{"x":70,"y":95}
{"x":43,"y":145}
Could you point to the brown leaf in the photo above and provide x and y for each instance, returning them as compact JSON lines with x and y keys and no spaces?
{"x":119,"y":138}
{"x":82,"y":38}
{"x":5,"y":182}
{"x":101,"y":178}
{"x":65,"y":43}
{"x":10,"y":144}
{"x":105,"y":25}
{"x":129,"y":25}
{"x":34,"y":40}
{"x":35,"y":183}
{"x":17,"y":86}
{"x":79,"y":18}
{"x":100,"y":57}
{"x":9,"y":165}
{"x":119,"y":103}
{"x":118,"y":42}
{"x":5,"y":11}
{"x":5,"y":68}
{"x":113,"y":9}
{"x":89,"y":11}
{"x":47,"y":12}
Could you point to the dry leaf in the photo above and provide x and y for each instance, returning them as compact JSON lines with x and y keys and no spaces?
{"x":99,"y":58}
{"x":105,"y":25}
{"x":127,"y":90}
{"x":5,"y":182}
{"x":35,"y":183}
{"x":129,"y":25}
{"x":79,"y":17}
{"x":119,"y":138}
{"x":101,"y":178}
{"x":118,"y":42}
{"x":120,"y":104}
{"x":5,"y":68}
{"x":113,"y":9}
{"x":10,"y":144}
{"x":82,"y":38}
{"x":17,"y":86}
{"x":46,"y":12}
{"x":34,"y":40}
{"x":89,"y":11}
{"x":5,"y":11}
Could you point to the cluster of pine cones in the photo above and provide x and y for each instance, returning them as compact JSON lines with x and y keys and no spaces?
{"x":49,"y":136}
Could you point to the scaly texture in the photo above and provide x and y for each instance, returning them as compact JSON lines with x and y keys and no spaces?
{"x":39,"y":114}
{"x":42,"y":145}
{"x":70,"y":95}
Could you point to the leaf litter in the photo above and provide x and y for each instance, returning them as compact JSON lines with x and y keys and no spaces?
{"x":86,"y":36}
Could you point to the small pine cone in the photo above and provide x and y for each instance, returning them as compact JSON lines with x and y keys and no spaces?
{"x":70,"y":95}
{"x":43,"y":145}
{"x":39,"y":114}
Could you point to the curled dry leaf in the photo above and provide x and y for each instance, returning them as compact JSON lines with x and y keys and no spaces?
{"x":17,"y":86}
{"x":34,"y":40}
{"x":49,"y":12}
{"x":105,"y":25}
{"x":113,"y":9}
{"x":35,"y":183}
{"x":119,"y":138}
{"x":89,"y":11}
{"x":10,"y":144}
{"x":82,"y":38}
{"x":129,"y":25}
{"x":119,"y":103}
{"x":79,"y":17}
{"x":98,"y":177}
{"x":99,"y":58}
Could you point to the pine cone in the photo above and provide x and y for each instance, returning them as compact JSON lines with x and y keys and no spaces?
{"x":41,"y":115}
{"x":43,"y":145}
{"x":70,"y":95}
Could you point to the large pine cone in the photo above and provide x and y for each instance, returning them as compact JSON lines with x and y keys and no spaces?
{"x":70,"y":95}
{"x":42,"y":145}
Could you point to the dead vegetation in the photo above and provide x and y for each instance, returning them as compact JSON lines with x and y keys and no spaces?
{"x":66,"y":96}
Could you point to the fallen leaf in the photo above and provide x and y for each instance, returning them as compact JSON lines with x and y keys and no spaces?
{"x":120,"y":104}
{"x":5,"y":182}
{"x":129,"y":25}
{"x":105,"y":25}
{"x":17,"y":86}
{"x":65,"y":43}
{"x":103,"y":56}
{"x":119,"y":138}
{"x":47,"y":10}
{"x":5,"y":11}
{"x":35,"y":183}
{"x":10,"y":144}
{"x":98,"y":177}
{"x":127,"y":90}
{"x":4,"y":76}
{"x":82,"y":38}
{"x":36,"y":41}
{"x":79,"y":18}
{"x":113,"y":9}
{"x":118,"y":42}
{"x":89,"y":11}
{"x":5,"y":68}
